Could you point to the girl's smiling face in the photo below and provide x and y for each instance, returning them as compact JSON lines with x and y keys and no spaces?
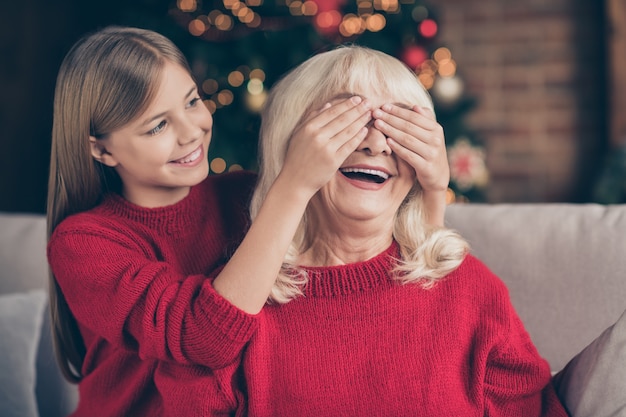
{"x":163,"y":152}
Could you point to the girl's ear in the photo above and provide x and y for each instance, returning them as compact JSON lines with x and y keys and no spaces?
{"x":100,"y":153}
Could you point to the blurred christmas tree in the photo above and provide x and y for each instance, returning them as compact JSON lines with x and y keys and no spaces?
{"x":611,"y":185}
{"x":239,"y":49}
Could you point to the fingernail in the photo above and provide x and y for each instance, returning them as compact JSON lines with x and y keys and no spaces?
{"x":356,"y":99}
{"x":386,"y":107}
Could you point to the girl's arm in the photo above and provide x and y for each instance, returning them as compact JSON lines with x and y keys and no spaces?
{"x":316,"y":151}
{"x":124,"y":298}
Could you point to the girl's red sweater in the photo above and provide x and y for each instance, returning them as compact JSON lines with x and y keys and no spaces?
{"x":136,"y":280}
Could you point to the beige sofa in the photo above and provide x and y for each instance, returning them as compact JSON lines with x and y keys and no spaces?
{"x":23,"y":268}
{"x":565,"y":266}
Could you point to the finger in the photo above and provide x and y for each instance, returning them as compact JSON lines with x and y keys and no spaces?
{"x":339,"y":137}
{"x":327,"y":122}
{"x":432,"y":174}
{"x":346,"y":118}
{"x":418,"y":140}
{"x":426,"y":111}
{"x":419,"y":164}
{"x":401,"y":130}
{"x":350,"y":146}
{"x":313,"y":114}
{"x":415,"y":159}
{"x":331,"y":112}
{"x":348,"y":131}
{"x":404,"y":118}
{"x":406,"y":132}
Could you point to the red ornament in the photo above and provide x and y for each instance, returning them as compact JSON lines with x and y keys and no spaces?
{"x":326,"y":5}
{"x":428,"y":28}
{"x":328,"y":16}
{"x":327,"y":22}
{"x":413,"y":56}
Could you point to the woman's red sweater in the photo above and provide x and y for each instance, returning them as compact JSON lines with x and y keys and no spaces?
{"x":360,"y":344}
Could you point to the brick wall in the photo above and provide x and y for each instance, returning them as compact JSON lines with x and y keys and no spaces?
{"x":537,"y":69}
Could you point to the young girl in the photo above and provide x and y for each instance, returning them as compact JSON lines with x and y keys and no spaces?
{"x":146,"y":319}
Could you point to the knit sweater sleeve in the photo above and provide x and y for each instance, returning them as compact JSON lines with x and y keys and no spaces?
{"x":517,"y":379}
{"x":116,"y":291}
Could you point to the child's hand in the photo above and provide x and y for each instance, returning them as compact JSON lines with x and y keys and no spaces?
{"x":415,"y":136}
{"x":324,"y":140}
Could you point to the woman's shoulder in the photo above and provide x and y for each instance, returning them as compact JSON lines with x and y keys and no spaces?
{"x":477,"y":277}
{"x":472,"y":263}
{"x":479,"y":293}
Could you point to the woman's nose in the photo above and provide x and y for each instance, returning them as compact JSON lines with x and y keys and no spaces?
{"x":375,"y":142}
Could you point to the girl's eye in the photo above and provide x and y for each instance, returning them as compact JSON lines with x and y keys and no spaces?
{"x":157,"y":129}
{"x":193,"y":102}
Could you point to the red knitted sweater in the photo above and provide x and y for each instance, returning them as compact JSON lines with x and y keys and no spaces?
{"x":359,"y":344}
{"x":136,"y":281}
{"x":161,"y":342}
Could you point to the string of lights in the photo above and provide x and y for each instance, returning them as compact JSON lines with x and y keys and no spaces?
{"x":245,"y":46}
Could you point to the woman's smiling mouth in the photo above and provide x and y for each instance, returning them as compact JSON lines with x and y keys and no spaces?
{"x":365,"y":174}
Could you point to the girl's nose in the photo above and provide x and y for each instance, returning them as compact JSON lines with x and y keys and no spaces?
{"x":189,"y":131}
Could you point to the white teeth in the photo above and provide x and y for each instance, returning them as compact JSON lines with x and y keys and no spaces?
{"x":192,"y":157}
{"x":366,"y":171}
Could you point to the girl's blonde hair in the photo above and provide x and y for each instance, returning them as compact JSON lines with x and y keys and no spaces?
{"x":427,"y":253}
{"x":106,"y":80}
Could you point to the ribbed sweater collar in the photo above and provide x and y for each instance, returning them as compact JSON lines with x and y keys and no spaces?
{"x":339,"y":280}
{"x":169,"y":219}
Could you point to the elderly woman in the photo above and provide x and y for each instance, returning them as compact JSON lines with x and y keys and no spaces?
{"x":375,"y":313}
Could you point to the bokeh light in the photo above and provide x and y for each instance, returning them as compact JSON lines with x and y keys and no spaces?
{"x":255,"y":86}
{"x":187,"y":6}
{"x":428,"y":28}
{"x":235,"y":78}
{"x":210,"y":86}
{"x":196,"y":27}
{"x":225,"y":97}
{"x":218,"y":165}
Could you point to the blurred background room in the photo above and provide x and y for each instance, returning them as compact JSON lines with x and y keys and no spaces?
{"x":531,"y":93}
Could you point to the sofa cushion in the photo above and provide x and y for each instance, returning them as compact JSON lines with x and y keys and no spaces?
{"x":22,"y":252}
{"x":24,"y":267}
{"x":21,"y":317}
{"x":593,"y":384}
{"x":564,"y":265}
